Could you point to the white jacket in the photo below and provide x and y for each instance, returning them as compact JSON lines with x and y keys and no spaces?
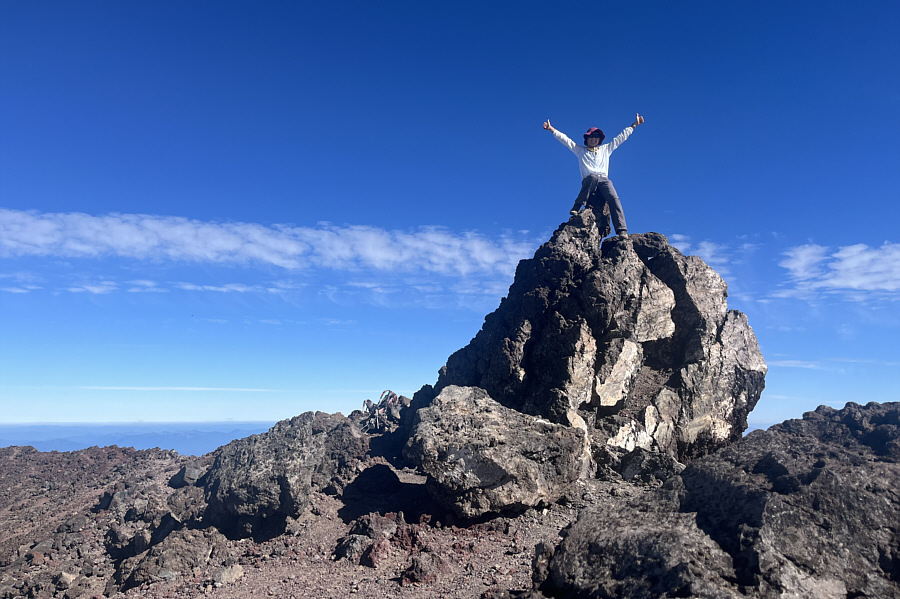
{"x":593,"y":162}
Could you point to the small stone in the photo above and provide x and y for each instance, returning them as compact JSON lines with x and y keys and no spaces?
{"x":64,"y":580}
{"x":376,"y":554}
{"x":229,"y":574}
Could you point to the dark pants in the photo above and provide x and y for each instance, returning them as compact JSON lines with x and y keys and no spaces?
{"x":596,"y":191}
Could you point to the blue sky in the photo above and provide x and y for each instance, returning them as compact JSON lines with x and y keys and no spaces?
{"x":236,"y":210}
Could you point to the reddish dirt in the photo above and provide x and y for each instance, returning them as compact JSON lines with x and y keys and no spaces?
{"x":52,"y":533}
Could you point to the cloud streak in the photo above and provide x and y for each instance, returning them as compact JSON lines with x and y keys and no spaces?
{"x":855,"y":268}
{"x":173,"y":238}
{"x":714,"y":254}
{"x":795,"y":364}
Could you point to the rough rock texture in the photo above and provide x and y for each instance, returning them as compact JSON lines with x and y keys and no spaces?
{"x":809,"y":508}
{"x":179,"y":552}
{"x":806,"y":509}
{"x":73,"y":523}
{"x":634,"y":341}
{"x":484,"y":458}
{"x":256,"y":483}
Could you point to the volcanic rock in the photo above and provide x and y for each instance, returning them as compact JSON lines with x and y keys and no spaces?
{"x":352,"y":547}
{"x":228,"y":574}
{"x":376,"y":554}
{"x":178,"y":553}
{"x":482,"y":457}
{"x":256,"y":483}
{"x":425,"y":568}
{"x":632,"y":338}
{"x":188,"y":475}
{"x":375,"y":526}
{"x":809,"y":508}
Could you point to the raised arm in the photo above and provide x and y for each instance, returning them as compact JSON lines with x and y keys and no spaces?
{"x":560,"y":136}
{"x":621,"y":137}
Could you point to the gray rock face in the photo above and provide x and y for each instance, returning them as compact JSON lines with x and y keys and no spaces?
{"x":633,"y":341}
{"x":483,"y":458}
{"x":808,"y":508}
{"x":257,"y":482}
{"x":638,"y":555}
{"x":188,"y":475}
{"x":179,"y":552}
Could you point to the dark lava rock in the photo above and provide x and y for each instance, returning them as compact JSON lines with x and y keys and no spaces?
{"x":178,"y":553}
{"x":188,"y":475}
{"x":809,"y":508}
{"x":352,"y":547}
{"x":640,"y":465}
{"x":482,"y":457}
{"x":635,"y":339}
{"x":376,"y":554}
{"x":375,"y":526}
{"x":425,"y":568}
{"x":256,"y":483}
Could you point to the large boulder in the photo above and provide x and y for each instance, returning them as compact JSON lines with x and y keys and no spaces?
{"x":631,"y":337}
{"x":256,"y":483}
{"x":636,"y":554}
{"x":808,"y":508}
{"x":482,"y":457}
{"x":179,"y":553}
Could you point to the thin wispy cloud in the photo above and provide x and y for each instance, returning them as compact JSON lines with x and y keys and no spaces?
{"x":795,"y":364}
{"x":144,"y":286}
{"x":866,"y":361}
{"x":227,"y":288}
{"x":682,"y":242}
{"x":804,"y":262}
{"x":173,"y":238}
{"x":19,"y":282}
{"x":716,"y":255}
{"x":849,"y":270}
{"x":99,"y":288}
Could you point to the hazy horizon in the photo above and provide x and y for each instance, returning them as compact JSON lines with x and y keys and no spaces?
{"x":187,"y":438}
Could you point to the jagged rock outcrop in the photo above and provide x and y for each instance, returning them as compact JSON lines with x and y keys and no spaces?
{"x":809,"y":508}
{"x":633,"y":342}
{"x":482,"y":457}
{"x":256,"y":483}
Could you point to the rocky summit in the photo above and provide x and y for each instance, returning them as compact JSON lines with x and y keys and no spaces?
{"x":629,"y":340}
{"x":586,"y":443}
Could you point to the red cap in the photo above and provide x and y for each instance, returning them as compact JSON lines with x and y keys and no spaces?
{"x":594,"y":132}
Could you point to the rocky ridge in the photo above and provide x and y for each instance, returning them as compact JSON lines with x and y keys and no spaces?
{"x":808,"y":508}
{"x":586,"y":443}
{"x":630,"y":340}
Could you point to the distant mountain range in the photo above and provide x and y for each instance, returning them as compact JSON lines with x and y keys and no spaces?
{"x":187,"y":438}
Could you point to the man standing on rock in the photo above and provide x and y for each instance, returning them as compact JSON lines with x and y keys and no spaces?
{"x":593,"y":162}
